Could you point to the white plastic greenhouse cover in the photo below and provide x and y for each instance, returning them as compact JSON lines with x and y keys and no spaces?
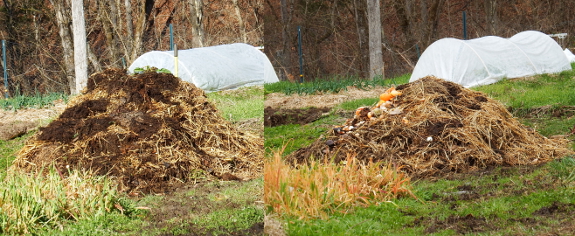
{"x":214,"y":68}
{"x":569,"y":55}
{"x":489,"y":59}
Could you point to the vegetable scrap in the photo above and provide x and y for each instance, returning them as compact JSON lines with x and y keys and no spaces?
{"x":385,"y":106}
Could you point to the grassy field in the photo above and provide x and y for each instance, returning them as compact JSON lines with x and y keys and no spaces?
{"x":49,"y":205}
{"x":523,"y":200}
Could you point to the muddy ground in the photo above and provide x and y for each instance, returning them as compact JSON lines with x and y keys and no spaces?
{"x":177,"y":210}
{"x":280,"y":116}
{"x":468,"y":192}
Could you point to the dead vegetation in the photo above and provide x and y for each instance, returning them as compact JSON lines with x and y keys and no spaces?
{"x":150,"y":131}
{"x":438,"y":127}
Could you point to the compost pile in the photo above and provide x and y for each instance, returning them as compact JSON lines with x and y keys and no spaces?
{"x":436,"y":127}
{"x":151,"y":131}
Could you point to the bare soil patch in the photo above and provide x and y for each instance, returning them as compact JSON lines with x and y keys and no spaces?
{"x":150,"y":131}
{"x":281,"y":116}
{"x":178,"y":209}
{"x":296,"y":101}
{"x":17,"y":123}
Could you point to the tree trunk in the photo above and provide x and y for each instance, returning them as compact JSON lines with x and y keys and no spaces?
{"x":491,"y":15}
{"x":105,"y":18}
{"x":285,"y":54}
{"x":80,"y":53}
{"x":375,"y":34}
{"x":63,"y":21}
{"x":243,"y":33}
{"x":138,"y":33}
{"x":359,"y":15}
{"x":197,"y":7}
{"x":129,"y":28}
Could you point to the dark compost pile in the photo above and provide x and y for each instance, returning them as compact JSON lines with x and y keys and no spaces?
{"x":437,"y":127}
{"x":151,"y":131}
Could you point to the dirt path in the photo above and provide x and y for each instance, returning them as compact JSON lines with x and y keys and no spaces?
{"x":16,"y":123}
{"x":295,"y":101}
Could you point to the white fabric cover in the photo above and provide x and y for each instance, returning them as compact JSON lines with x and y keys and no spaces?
{"x":569,"y":55}
{"x":489,"y":59}
{"x":214,"y":68}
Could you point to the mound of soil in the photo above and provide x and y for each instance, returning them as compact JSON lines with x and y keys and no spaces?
{"x":279,"y":116}
{"x":437,"y":127}
{"x":151,"y":131}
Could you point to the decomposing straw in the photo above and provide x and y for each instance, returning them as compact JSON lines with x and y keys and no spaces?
{"x":443,"y":128}
{"x":151,"y":131}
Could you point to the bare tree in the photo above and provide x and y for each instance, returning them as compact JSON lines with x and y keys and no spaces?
{"x":491,"y":15}
{"x":196,"y":7}
{"x":241,"y":24}
{"x":121,"y":36}
{"x":63,"y":21}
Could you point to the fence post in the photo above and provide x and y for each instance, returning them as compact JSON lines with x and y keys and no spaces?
{"x":171,"y":38}
{"x":5,"y":69}
{"x":464,"y":26}
{"x":300,"y":54}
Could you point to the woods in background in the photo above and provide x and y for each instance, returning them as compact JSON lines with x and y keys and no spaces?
{"x":40,"y":42}
{"x":335,"y":33}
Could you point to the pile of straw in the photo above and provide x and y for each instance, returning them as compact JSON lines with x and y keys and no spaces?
{"x":439,"y":127}
{"x":150,"y":131}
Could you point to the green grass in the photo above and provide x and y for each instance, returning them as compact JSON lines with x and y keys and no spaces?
{"x":8,"y":150}
{"x":331,"y":85}
{"x":32,"y":202}
{"x":240,"y":104}
{"x":294,"y":136}
{"x":109,"y":224}
{"x":523,"y":95}
{"x":498,"y":204}
{"x":503,"y":201}
{"x":354,"y":104}
{"x":36,"y":101}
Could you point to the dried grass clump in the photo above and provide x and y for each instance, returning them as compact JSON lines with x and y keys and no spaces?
{"x":151,"y":131}
{"x":321,"y":188}
{"x":442,"y":128}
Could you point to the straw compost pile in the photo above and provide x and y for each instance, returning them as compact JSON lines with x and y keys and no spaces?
{"x":437,"y":127}
{"x":151,"y":131}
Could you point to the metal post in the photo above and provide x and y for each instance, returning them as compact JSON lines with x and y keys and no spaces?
{"x":5,"y":69}
{"x":300,"y":54}
{"x":464,"y":26}
{"x":171,"y":38}
{"x":417,"y":50}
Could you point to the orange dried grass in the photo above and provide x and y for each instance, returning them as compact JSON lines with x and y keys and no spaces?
{"x":321,"y":188}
